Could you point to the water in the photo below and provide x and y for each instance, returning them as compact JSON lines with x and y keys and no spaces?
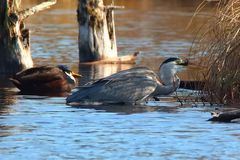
{"x":35,"y":127}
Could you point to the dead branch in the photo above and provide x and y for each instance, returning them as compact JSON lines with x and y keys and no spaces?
{"x":31,"y":11}
{"x":111,"y":7}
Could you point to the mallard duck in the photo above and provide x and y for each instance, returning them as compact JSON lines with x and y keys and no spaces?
{"x":132,"y":86}
{"x":45,"y":80}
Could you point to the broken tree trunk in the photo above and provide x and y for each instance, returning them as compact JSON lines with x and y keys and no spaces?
{"x":15,"y":52}
{"x":97,"y":40}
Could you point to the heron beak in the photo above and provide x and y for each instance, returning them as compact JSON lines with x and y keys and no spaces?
{"x":75,"y":75}
{"x":183,"y":62}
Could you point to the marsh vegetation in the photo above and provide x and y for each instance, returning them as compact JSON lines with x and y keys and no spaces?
{"x":218,"y":49}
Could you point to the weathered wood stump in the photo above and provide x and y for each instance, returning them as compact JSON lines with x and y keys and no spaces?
{"x":97,"y":39}
{"x":15,"y":52}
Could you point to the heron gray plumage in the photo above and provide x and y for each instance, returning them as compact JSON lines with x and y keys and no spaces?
{"x":131,"y":86}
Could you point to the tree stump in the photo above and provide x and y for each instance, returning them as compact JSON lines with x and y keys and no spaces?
{"x":15,"y":53}
{"x":97,"y":39}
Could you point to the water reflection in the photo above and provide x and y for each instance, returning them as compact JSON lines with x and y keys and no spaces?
{"x":6,"y":131}
{"x":96,"y":71}
{"x":129,"y":109}
{"x":5,"y":82}
{"x":7,"y":98}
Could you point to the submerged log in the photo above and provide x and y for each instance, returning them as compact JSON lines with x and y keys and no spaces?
{"x":15,"y":52}
{"x":97,"y":39}
{"x":128,"y":59}
{"x":193,"y":85}
{"x":230,"y":116}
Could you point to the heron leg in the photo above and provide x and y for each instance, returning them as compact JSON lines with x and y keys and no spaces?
{"x":178,"y":99}
{"x":156,"y":98}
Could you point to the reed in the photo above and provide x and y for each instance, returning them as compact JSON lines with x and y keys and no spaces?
{"x":218,"y":47}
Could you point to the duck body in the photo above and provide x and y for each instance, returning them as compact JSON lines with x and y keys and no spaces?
{"x":43,"y":80}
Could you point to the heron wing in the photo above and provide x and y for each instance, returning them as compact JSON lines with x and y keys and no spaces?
{"x":136,"y":71}
{"x":129,"y":73}
{"x":125,"y":86}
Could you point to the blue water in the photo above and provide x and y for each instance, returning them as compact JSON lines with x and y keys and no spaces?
{"x":45,"y":128}
{"x":37,"y":127}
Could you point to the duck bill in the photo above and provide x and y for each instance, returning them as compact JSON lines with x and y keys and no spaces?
{"x":75,"y":75}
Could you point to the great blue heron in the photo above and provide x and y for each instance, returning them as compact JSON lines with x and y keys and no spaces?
{"x":131,"y":86}
{"x":45,"y":80}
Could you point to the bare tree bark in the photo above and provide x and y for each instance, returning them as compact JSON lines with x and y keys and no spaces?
{"x":15,"y":52}
{"x":97,"y":39}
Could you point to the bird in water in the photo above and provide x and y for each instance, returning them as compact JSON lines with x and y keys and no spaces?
{"x":131,"y":86}
{"x":45,"y":80}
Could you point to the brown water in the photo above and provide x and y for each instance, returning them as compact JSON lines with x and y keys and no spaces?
{"x":155,"y":28}
{"x":36,"y":127}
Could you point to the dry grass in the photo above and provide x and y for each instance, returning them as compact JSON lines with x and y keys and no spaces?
{"x":218,"y":43}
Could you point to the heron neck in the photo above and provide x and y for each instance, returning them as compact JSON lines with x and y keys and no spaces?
{"x":163,"y":89}
{"x":168,"y":75}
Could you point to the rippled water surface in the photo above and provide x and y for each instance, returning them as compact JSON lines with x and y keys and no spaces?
{"x":37,"y":127}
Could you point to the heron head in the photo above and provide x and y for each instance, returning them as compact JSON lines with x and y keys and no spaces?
{"x":70,"y":74}
{"x":175,"y":61}
{"x":173,"y":64}
{"x":170,"y":67}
